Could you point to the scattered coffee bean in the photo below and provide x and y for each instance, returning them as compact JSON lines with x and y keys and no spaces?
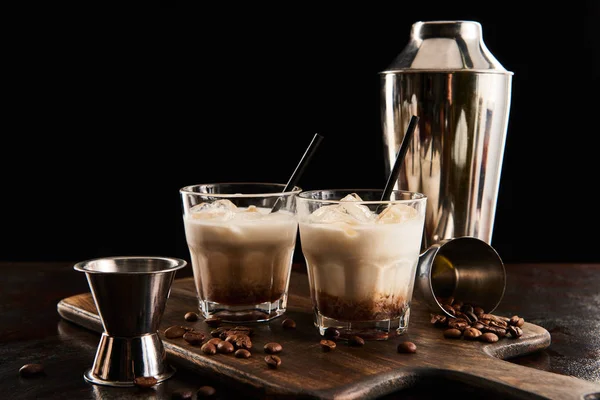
{"x":471,"y":333}
{"x":449,"y":309}
{"x":273,"y":348}
{"x":356,"y":341}
{"x":145,"y":381}
{"x":182,"y":395}
{"x":242,"y":353}
{"x":191,"y":316}
{"x":175,"y":332}
{"x":288,"y":323}
{"x":219,"y":331}
{"x":240,"y":341}
{"x":407,"y":347}
{"x":514,"y":320}
{"x":467,"y":308}
{"x":273,"y":361}
{"x":452,"y":333}
{"x":478,"y":311}
{"x":213,"y":321}
{"x":489,"y":337}
{"x":30,"y":370}
{"x":241,"y":330}
{"x":214,"y":341}
{"x":208,"y":348}
{"x":458,"y":323}
{"x":194,"y":337}
{"x":225,"y":347}
{"x":205,"y":391}
{"x":515,"y":332}
{"x":331,"y":333}
{"x":327,"y":345}
{"x":439,"y":320}
{"x":478,"y":325}
{"x":521,"y":322}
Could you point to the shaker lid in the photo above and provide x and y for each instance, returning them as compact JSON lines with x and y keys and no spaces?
{"x":446,"y":46}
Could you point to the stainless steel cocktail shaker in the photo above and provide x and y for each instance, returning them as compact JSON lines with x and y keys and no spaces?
{"x":448,"y":78}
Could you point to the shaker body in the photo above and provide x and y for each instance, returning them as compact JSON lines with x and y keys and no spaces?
{"x":456,"y":154}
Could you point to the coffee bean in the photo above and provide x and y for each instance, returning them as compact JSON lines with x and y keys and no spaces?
{"x":489,"y":337}
{"x":466,"y":308}
{"x":458,"y":323}
{"x":331,"y":333}
{"x":288,"y":324}
{"x":472,"y":333}
{"x":213,"y":321}
{"x":225,"y":348}
{"x":439,"y":320}
{"x":515,"y":332}
{"x":208,"y":348}
{"x":452,"y":333}
{"x":273,"y":348}
{"x":29,"y":370}
{"x":145,"y":381}
{"x":514,"y":320}
{"x":219,"y":331}
{"x":214,"y":341}
{"x":521,"y":322}
{"x":273,"y":361}
{"x":478,"y":311}
{"x":498,"y":331}
{"x":327,"y":345}
{"x":449,"y":309}
{"x":407,"y":347}
{"x":182,"y":395}
{"x":242,"y":330}
{"x":242,"y":353}
{"x":191,"y":316}
{"x":478,"y":325}
{"x":240,"y":341}
{"x":205,"y":391}
{"x":175,"y":332}
{"x":194,"y":337}
{"x":356,"y":341}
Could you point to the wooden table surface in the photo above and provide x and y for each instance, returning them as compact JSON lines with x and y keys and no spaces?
{"x":563,"y":298}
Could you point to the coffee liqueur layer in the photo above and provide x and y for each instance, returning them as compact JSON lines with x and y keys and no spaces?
{"x":378,"y":308}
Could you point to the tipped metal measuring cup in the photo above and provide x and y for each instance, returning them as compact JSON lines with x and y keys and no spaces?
{"x":130,"y":294}
{"x":465,"y":268}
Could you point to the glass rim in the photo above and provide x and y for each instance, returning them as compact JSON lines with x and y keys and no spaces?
{"x":303,"y":196}
{"x":188,"y":190}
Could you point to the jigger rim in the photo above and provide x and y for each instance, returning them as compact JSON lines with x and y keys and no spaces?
{"x":172,"y":264}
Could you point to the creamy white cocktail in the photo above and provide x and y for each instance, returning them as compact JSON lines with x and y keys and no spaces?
{"x":361,"y":259}
{"x":241,"y":257}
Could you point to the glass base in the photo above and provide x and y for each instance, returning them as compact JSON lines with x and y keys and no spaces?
{"x":261,"y":312}
{"x":368,"y":330}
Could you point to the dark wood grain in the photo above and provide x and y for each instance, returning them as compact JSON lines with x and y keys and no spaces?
{"x":562,"y":298}
{"x":349,"y":372}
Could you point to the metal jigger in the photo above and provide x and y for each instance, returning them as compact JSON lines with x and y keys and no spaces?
{"x":130,"y":295}
{"x":465,"y":268}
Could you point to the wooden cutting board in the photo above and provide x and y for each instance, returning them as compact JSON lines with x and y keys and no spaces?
{"x":348,"y":372}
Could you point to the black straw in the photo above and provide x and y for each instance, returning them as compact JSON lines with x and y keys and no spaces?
{"x":310,"y":151}
{"x":389,"y":186}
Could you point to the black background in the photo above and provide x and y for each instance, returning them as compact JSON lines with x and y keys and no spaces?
{"x":107,"y":117}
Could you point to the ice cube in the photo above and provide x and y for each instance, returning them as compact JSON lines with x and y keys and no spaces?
{"x":396,"y":213}
{"x":358,"y":211}
{"x":222,"y":210}
{"x":331,"y":214}
{"x":352,"y":197}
